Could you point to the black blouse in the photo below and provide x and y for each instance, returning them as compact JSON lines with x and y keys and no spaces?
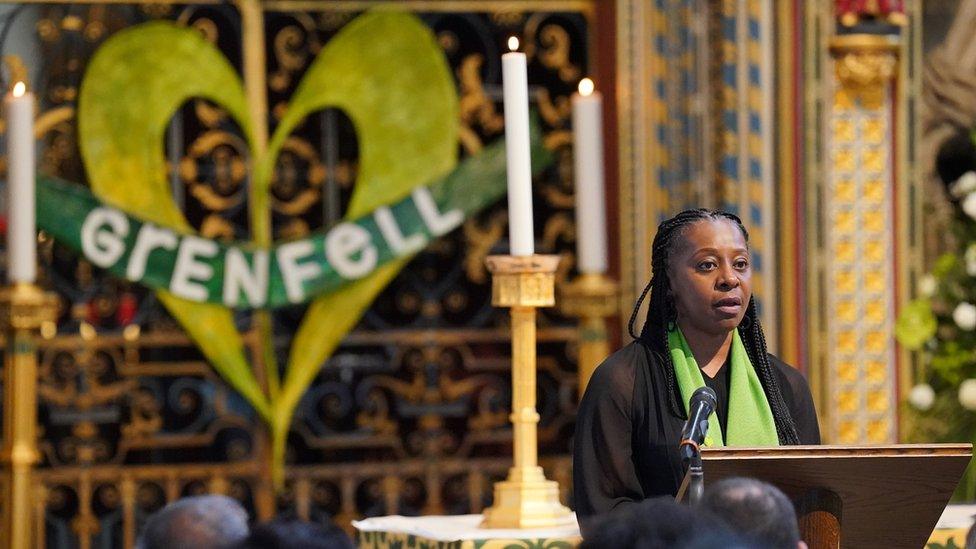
{"x":626,"y":442}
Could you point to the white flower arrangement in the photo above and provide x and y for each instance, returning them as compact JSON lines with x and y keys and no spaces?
{"x":967,"y":394}
{"x":964,"y":315}
{"x":963,"y":186}
{"x":922,"y":396}
{"x":927,"y":285}
{"x":969,"y":205}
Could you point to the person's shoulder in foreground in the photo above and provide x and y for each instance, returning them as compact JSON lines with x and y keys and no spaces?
{"x":294,"y":533}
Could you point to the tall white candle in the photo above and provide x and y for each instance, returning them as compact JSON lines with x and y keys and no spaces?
{"x":591,"y":217}
{"x":21,"y":232}
{"x":518,"y":160}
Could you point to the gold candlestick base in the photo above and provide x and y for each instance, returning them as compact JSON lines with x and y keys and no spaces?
{"x":526,"y":499}
{"x":23,"y":308}
{"x":591,"y":298}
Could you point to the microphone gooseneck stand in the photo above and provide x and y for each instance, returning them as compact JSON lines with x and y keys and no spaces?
{"x":700,"y":407}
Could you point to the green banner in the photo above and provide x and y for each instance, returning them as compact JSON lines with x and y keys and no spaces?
{"x":241,"y":275}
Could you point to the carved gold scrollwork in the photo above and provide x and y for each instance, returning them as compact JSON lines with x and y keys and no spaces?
{"x":433,"y":399}
{"x":476,"y":109}
{"x":298,"y":178}
{"x":555,"y":52}
{"x":480,"y":239}
{"x":865,"y":64}
{"x":292,"y":47}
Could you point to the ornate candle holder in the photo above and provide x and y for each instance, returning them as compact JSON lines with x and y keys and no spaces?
{"x":23,"y":309}
{"x":526,"y":499}
{"x":591,"y":298}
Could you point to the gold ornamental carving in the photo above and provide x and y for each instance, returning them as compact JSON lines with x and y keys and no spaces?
{"x":865,"y":63}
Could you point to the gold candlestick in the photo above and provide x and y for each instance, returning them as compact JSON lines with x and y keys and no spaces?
{"x":591,"y":298}
{"x":23,"y":308}
{"x":526,"y":499}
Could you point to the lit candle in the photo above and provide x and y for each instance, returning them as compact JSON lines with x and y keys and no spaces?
{"x":518,"y":161}
{"x":21,"y":233}
{"x":591,"y":223}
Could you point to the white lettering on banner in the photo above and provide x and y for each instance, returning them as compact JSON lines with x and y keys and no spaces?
{"x":149,"y":237}
{"x":344,"y":241}
{"x":102,"y":235}
{"x":188,"y":272}
{"x":438,"y":223}
{"x":394,"y":237}
{"x":238,"y":276}
{"x":294,"y":274}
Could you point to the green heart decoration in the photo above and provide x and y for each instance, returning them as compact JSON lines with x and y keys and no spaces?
{"x":384,"y":70}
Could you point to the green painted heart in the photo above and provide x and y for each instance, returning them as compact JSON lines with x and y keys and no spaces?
{"x":384,"y":70}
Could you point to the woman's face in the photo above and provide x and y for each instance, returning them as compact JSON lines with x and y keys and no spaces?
{"x":711,"y":273}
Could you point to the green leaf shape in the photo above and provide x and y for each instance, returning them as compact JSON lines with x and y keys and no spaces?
{"x":950,"y":360}
{"x":916,"y":324}
{"x":944,"y":265}
{"x":386,"y":71}
{"x":132,"y":87}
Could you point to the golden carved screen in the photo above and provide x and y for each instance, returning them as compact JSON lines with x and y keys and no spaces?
{"x":410,"y":415}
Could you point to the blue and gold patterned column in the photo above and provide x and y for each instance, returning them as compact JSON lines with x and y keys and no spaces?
{"x":744,"y":148}
{"x":696,"y":96}
{"x":858,"y":255}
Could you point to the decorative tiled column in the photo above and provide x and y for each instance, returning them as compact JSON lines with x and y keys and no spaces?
{"x":696,"y":97}
{"x":858,"y":199}
{"x":744,"y":99}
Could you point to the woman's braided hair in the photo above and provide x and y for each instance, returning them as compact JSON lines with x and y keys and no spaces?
{"x":661,"y":312}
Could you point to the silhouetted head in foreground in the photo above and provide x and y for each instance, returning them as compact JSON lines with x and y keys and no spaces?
{"x":198,"y":522}
{"x":660,"y":523}
{"x":756,"y":510}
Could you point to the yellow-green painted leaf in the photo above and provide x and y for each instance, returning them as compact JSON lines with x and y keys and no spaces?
{"x":387,"y":73}
{"x":133,"y":85}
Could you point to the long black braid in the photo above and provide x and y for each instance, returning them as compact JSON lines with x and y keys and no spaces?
{"x":661,"y":312}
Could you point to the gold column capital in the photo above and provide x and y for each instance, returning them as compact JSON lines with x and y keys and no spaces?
{"x":589,"y":295}
{"x":865,"y":62}
{"x":26,"y":307}
{"x":519,"y":281}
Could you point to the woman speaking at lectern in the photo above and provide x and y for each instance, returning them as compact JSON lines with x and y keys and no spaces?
{"x":702,"y":328}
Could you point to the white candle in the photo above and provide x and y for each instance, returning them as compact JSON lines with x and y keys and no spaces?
{"x":591,"y":222}
{"x":519,"y":163}
{"x":21,"y":232}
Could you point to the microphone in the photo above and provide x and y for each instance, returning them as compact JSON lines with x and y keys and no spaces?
{"x":702,"y":404}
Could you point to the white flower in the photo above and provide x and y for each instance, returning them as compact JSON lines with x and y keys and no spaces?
{"x":964,"y":316}
{"x":922,"y":396}
{"x":964,"y":185}
{"x":927,"y":285}
{"x":969,"y":205}
{"x":969,"y":257}
{"x":967,"y":394}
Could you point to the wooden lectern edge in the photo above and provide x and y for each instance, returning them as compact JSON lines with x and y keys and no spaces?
{"x":839,"y":451}
{"x":864,"y":501}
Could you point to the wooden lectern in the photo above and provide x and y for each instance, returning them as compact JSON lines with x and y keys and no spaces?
{"x":854,"y":496}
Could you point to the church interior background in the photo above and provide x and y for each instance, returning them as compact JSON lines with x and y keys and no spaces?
{"x":820,"y":134}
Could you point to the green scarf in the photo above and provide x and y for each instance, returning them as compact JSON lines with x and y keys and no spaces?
{"x":750,"y":421}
